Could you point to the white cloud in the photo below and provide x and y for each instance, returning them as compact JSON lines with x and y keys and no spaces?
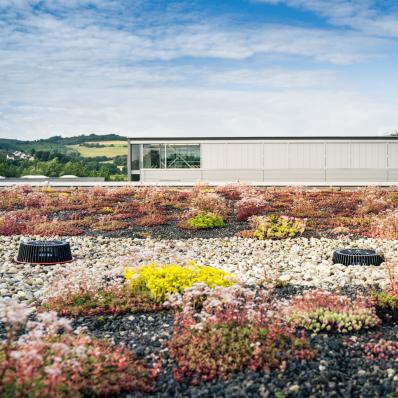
{"x":67,"y":69}
{"x":185,"y":112}
{"x":275,"y":78}
{"x":361,"y":15}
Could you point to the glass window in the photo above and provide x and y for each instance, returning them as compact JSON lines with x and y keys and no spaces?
{"x":153,"y":156}
{"x":135,"y":157}
{"x":183,"y":156}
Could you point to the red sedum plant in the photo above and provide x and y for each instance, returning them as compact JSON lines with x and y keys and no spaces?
{"x":110,"y":300}
{"x":235,"y":191}
{"x":79,"y":291}
{"x":384,"y":225}
{"x":225,"y":330}
{"x":49,"y":360}
{"x":152,"y":219}
{"x":249,"y":206}
{"x":381,"y":349}
{"x":209,"y":203}
{"x":107,"y":223}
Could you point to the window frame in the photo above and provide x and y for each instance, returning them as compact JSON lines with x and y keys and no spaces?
{"x":165,"y":155}
{"x":160,"y":156}
{"x":183,"y":168}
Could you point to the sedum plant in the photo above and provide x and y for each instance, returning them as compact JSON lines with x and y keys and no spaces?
{"x":110,"y":300}
{"x":107,"y":223}
{"x":46,"y":358}
{"x":384,"y":225}
{"x":225,"y":330}
{"x":276,"y":227}
{"x":249,"y":206}
{"x":164,"y":279}
{"x":319,"y":310}
{"x":205,"y":221}
{"x":209,"y":203}
{"x":386,"y":301}
{"x":82,"y":291}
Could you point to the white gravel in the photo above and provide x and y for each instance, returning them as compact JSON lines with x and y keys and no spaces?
{"x":299,"y":261}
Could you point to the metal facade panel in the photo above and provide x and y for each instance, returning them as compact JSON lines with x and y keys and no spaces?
{"x":368,"y":155}
{"x":233,"y":175}
{"x":393,"y":156}
{"x":393,"y":175}
{"x":306,"y":155}
{"x":338,"y":155}
{"x":243,"y":156}
{"x":294,"y":175}
{"x":370,"y":175}
{"x":213,"y":156}
{"x":154,"y":175}
{"x":276,"y":155}
{"x":289,"y":160}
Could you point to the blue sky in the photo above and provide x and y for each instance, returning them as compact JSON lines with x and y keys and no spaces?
{"x":220,"y":67}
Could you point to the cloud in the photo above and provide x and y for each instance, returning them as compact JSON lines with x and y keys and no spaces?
{"x":87,"y":37}
{"x":275,"y":78}
{"x":185,"y":112}
{"x":82,"y":66}
{"x":368,"y":16}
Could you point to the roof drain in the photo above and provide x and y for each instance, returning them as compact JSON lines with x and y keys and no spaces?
{"x":356,"y":256}
{"x":44,"y":252}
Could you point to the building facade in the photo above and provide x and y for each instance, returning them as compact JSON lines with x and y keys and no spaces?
{"x":315,"y":160}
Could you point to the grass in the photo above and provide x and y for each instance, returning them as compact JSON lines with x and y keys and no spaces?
{"x":119,"y":148}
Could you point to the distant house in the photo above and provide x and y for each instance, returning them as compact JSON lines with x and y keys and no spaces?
{"x":19,"y":155}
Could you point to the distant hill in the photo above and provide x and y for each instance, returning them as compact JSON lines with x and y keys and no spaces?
{"x":84,"y":155}
{"x":56,"y":142}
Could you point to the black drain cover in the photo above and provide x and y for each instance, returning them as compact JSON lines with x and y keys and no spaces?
{"x":357,"y":257}
{"x":44,"y":252}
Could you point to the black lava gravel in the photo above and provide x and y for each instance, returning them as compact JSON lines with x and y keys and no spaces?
{"x":172,"y":231}
{"x":340,"y":368}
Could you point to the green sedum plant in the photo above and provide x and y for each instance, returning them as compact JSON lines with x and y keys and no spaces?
{"x":319,"y":310}
{"x":386,"y":301}
{"x":205,"y":221}
{"x":276,"y":227}
{"x":164,"y":279}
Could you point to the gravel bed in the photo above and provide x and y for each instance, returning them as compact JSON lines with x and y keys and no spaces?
{"x":305,"y":263}
{"x":302,"y":261}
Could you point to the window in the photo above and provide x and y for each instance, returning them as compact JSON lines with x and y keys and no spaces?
{"x":135,"y":157}
{"x":153,"y":155}
{"x":182,"y":156}
{"x":171,"y":156}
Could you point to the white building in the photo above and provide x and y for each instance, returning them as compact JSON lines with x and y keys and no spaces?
{"x":268,"y":160}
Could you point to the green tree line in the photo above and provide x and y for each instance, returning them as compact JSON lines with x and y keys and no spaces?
{"x":56,"y":164}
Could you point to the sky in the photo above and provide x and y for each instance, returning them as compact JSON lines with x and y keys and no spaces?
{"x":153,"y":68}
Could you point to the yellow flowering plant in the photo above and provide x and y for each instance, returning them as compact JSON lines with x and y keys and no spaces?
{"x":162,"y":279}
